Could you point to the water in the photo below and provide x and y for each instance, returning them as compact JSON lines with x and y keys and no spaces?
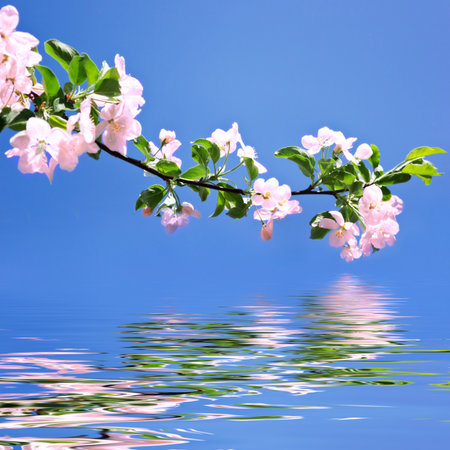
{"x":337,"y":368}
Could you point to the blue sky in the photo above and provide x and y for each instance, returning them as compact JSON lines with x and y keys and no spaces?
{"x":375,"y":70}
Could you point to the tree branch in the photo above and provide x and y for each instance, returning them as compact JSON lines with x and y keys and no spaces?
{"x":135,"y":162}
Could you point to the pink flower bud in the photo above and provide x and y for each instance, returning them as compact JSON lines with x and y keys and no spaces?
{"x":166,"y":136}
{"x":147,"y":211}
{"x":267,"y":230}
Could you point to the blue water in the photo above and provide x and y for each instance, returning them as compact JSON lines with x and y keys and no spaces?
{"x":351,"y":365}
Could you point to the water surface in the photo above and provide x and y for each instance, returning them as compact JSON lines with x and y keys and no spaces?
{"x":330,"y":369}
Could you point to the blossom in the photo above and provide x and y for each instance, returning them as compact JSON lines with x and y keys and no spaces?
{"x":33,"y":144}
{"x":118,"y":127}
{"x":71,"y":147}
{"x":249,"y":152}
{"x":364,"y":151}
{"x":130,"y":88}
{"x":374,"y":209}
{"x":166,"y":136}
{"x":343,"y":145}
{"x":166,"y":150}
{"x":345,"y":231}
{"x":351,"y":251}
{"x":267,"y":193}
{"x":379,"y":235}
{"x":226,"y":140}
{"x":172,"y":220}
{"x":325,"y":138}
{"x":16,"y":56}
{"x":275,"y":204}
{"x":267,"y":230}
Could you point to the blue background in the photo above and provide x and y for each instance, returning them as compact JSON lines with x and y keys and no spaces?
{"x":375,"y":70}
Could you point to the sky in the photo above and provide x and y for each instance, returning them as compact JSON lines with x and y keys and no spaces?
{"x":374,"y":70}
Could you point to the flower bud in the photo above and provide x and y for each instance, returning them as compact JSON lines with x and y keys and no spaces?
{"x":147,"y":211}
{"x":267,"y":231}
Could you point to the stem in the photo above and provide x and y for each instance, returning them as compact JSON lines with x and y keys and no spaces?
{"x":135,"y":162}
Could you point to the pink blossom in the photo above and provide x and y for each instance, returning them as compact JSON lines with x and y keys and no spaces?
{"x":14,"y":42}
{"x":345,"y":231}
{"x":226,"y":140}
{"x":131,"y":88}
{"x":364,"y":151}
{"x":173,"y":220}
{"x":268,"y":193}
{"x":86,"y":124}
{"x":379,"y":235}
{"x":325,"y":138}
{"x":351,"y":251}
{"x":166,"y":151}
{"x":267,"y":230}
{"x":16,"y":57}
{"x":374,"y":209}
{"x":274,"y":202}
{"x":71,"y":147}
{"x":119,"y":126}
{"x":343,"y":145}
{"x":249,"y":152}
{"x":33,"y":144}
{"x":166,"y":136}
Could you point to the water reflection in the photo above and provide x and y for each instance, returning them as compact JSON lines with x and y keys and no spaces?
{"x":184,"y":367}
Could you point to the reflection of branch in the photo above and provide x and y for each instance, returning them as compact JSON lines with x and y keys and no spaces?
{"x":135,"y":162}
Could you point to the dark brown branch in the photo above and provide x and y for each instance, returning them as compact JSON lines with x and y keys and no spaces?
{"x":199,"y":183}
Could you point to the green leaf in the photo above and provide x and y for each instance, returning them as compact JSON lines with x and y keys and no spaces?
{"x":237,"y":212}
{"x":108,"y":84}
{"x":49,"y":80}
{"x":167,"y":167}
{"x":339,"y":176}
{"x":425,"y":168}
{"x":213,"y":149}
{"x":63,"y":53}
{"x":363,"y":170}
{"x":68,"y":87}
{"x":356,"y":188}
{"x":200,"y":154}
{"x":220,"y":205}
{"x":16,"y":120}
{"x":393,"y":178}
{"x":386,"y":193}
{"x":143,"y":145}
{"x":77,"y":71}
{"x":423,"y":151}
{"x":316,"y":231}
{"x":326,"y":164}
{"x":92,"y":71}
{"x":301,"y":157}
{"x":232,"y":197}
{"x":252,"y":170}
{"x":349,"y":214}
{"x":202,"y":192}
{"x":57,"y":121}
{"x":151,"y":196}
{"x":375,"y":158}
{"x":95,"y":156}
{"x":194,"y":173}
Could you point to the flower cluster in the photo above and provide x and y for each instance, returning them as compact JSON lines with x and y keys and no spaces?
{"x":41,"y":148}
{"x":17,"y":57}
{"x":172,"y":220}
{"x":273,"y":201}
{"x":96,"y":111}
{"x":327,"y":137}
{"x":378,"y":219}
{"x":228,"y":141}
